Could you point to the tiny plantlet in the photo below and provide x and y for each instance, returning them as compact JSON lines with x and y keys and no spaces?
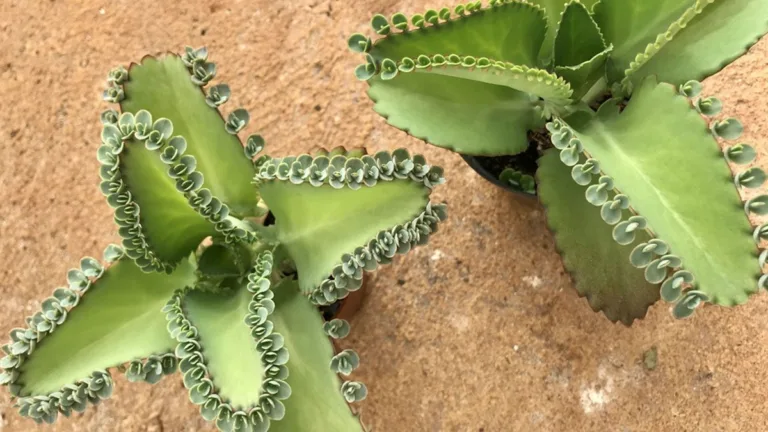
{"x":594,"y":106}
{"x":202,"y":286}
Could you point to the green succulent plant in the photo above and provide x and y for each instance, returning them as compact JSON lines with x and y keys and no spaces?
{"x":606,"y":92}
{"x":200,"y":284}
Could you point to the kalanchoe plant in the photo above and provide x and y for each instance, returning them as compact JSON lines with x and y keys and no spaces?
{"x":200,"y":284}
{"x":604,"y":97}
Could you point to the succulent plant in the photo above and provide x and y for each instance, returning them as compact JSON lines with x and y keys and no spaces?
{"x":606,"y":92}
{"x":200,"y":284}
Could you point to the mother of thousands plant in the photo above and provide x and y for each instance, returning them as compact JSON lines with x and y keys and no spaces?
{"x":599,"y":99}
{"x":200,"y":284}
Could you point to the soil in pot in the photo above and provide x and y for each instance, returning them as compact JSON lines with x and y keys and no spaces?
{"x":515,"y":173}
{"x":347,"y":307}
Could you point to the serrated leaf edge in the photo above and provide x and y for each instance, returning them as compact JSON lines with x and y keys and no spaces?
{"x":564,"y":139}
{"x":347,"y":276}
{"x":274,"y":355}
{"x":54,"y":312}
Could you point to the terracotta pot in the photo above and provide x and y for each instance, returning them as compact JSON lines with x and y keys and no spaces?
{"x":346,"y":309}
{"x":351,"y":304}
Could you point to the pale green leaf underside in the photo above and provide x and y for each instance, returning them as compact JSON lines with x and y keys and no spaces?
{"x":661,"y":154}
{"x":465,"y":116}
{"x":164,"y":88}
{"x":234,"y":363}
{"x":118,"y":320}
{"x":316,"y":403}
{"x":317,"y":225}
{"x":172,"y":227}
{"x":554,"y":8}
{"x":713,"y":39}
{"x":578,"y":38}
{"x":630,"y":25}
{"x":599,"y":265}
{"x":487,"y":33}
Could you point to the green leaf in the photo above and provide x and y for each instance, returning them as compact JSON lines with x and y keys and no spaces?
{"x":463,"y":115}
{"x":578,"y":37}
{"x":119,"y":319}
{"x":722,"y":32}
{"x":554,"y":10}
{"x":222,"y":260}
{"x":261,"y":352}
{"x":583,"y":76}
{"x":319,"y":224}
{"x":486,"y":33}
{"x":316,"y":402}
{"x":519,"y":181}
{"x":630,"y":25}
{"x":172,"y":227}
{"x":232,"y":359}
{"x":740,"y":154}
{"x":580,"y":52}
{"x":599,"y":266}
{"x":660,"y":153}
{"x":163,"y":87}
{"x":537,"y":82}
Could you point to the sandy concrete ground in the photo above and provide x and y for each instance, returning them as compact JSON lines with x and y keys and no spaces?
{"x":480,"y":331}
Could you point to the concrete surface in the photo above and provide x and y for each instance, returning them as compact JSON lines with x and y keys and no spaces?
{"x":480,"y":331}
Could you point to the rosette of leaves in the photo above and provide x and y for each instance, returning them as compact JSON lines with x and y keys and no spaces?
{"x":200,"y":286}
{"x":642,"y":200}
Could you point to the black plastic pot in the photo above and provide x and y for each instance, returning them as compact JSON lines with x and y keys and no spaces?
{"x":475,"y":164}
{"x":491,"y":167}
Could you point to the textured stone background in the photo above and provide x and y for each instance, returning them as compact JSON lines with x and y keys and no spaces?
{"x":479,"y":331}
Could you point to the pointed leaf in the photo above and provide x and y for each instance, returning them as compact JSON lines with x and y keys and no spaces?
{"x":720,"y":33}
{"x":464,"y":116}
{"x":583,"y":76}
{"x":319,"y":224}
{"x":657,"y":151}
{"x":239,"y":369}
{"x":578,"y":37}
{"x":487,"y":33}
{"x":163,"y":87}
{"x":231,"y":357}
{"x":172,"y":227}
{"x":116,"y":321}
{"x":316,"y":402}
{"x":599,"y":266}
{"x":554,"y":10}
{"x":537,"y":82}
{"x":455,"y":113}
{"x":631,"y":25}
